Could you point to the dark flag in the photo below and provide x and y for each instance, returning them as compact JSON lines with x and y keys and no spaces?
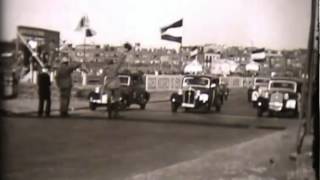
{"x":90,"y":32}
{"x":173,"y":25}
{"x":171,"y":38}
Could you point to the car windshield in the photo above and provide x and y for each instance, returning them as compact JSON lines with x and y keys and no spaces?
{"x":283,"y":85}
{"x":262,"y":81}
{"x":198,"y":81}
{"x":124,"y":80}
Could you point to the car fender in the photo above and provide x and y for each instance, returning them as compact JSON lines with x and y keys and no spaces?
{"x":262,"y":103}
{"x":177,"y":97}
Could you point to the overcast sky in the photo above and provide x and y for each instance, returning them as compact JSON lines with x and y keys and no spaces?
{"x":279,"y":24}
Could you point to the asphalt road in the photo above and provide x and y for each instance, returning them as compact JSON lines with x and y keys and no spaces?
{"x":89,"y":146}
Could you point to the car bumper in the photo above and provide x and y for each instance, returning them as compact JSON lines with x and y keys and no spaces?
{"x":102,"y":100}
{"x":186,"y":105}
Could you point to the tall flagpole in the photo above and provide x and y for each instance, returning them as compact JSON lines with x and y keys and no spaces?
{"x":84,"y":45}
{"x":180,"y":52}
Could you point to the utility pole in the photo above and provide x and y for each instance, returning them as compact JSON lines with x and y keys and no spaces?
{"x":310,"y":66}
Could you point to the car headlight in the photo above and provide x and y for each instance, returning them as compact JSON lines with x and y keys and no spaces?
{"x":97,"y":89}
{"x":204,"y":97}
{"x":286,"y":96}
{"x":104,"y":98}
{"x":291,"y":104}
{"x":254,"y":95}
{"x":180,"y":91}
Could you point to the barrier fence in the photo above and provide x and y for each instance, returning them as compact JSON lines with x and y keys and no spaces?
{"x":156,"y":83}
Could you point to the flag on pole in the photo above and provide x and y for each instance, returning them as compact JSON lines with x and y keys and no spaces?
{"x":90,"y":32}
{"x":194,"y":52}
{"x":170,"y":37}
{"x":173,"y":25}
{"x":258,"y":55}
{"x":83,"y":23}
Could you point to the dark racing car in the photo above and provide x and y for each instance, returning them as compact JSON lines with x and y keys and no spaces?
{"x":260,"y":84}
{"x":132,"y":91}
{"x":283,"y":96}
{"x":197,"y":92}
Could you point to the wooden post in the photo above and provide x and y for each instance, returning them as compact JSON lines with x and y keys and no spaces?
{"x":310,"y":65}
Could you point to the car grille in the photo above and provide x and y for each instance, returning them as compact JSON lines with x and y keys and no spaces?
{"x":276,"y":101}
{"x":189,"y":96}
{"x":276,"y":97}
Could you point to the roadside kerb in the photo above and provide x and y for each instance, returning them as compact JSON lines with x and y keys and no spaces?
{"x":247,"y":160}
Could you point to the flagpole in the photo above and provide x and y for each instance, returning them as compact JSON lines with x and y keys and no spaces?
{"x":84,"y":45}
{"x":180,"y":52}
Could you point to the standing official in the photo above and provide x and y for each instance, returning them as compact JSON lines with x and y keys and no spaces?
{"x":44,"y":92}
{"x":64,"y":83}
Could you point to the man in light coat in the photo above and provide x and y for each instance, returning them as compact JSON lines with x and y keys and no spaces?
{"x":64,"y":83}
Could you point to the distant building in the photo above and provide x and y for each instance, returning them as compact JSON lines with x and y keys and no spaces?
{"x":212,"y":55}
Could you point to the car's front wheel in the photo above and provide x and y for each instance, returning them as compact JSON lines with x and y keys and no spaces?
{"x":208,"y":106}
{"x":270,"y":113}
{"x":123,"y":104}
{"x":259,"y":112}
{"x":92,"y":106}
{"x":174,"y":107}
{"x":143,"y":101}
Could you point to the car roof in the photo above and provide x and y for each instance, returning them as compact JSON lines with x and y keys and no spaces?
{"x":298,"y":80}
{"x":207,"y":76}
{"x":262,"y":77}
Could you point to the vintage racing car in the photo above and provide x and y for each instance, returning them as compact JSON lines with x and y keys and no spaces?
{"x":283,"y":95}
{"x":132,"y":91}
{"x":260,"y":84}
{"x":198,"y":91}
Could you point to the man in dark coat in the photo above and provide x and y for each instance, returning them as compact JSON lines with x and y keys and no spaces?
{"x":44,"y":92}
{"x":64,"y":83}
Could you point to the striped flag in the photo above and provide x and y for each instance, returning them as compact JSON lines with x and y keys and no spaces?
{"x":258,"y":55}
{"x":83,"y":23}
{"x":170,"y":37}
{"x":173,"y":25}
{"x":194,"y":52}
